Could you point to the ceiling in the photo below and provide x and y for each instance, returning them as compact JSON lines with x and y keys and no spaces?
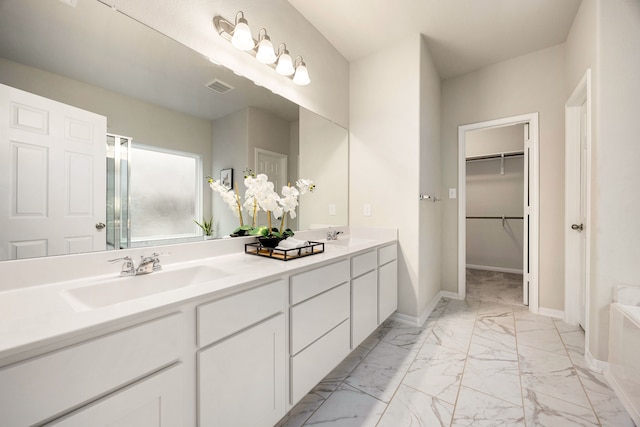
{"x":462,"y":35}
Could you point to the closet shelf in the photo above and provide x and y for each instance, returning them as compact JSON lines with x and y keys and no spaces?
{"x":495,"y":217}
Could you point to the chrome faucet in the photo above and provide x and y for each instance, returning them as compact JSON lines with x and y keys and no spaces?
{"x":128,"y":269}
{"x":148,"y":264}
{"x":333,"y":234}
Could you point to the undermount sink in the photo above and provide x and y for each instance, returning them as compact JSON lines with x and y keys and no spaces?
{"x":120,"y":289}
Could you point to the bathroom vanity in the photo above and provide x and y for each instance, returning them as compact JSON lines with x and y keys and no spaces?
{"x":238,"y":345}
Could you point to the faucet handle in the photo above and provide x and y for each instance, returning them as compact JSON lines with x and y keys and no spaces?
{"x":156,"y":259}
{"x":128,"y":269}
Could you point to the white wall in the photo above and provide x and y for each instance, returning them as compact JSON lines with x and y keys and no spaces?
{"x":230,"y":142}
{"x":191,"y":23}
{"x":394,"y":124}
{"x":430,"y":254}
{"x":324,"y":158}
{"x":384,"y":144}
{"x":616,"y":150}
{"x":529,"y":83}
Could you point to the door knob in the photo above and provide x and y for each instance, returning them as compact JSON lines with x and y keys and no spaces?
{"x":578,"y":227}
{"x":100,"y":226}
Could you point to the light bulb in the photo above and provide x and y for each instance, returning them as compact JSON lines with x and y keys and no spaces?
{"x":265,"y":54}
{"x":302,"y":75}
{"x":242,"y":38}
{"x":285,"y":64}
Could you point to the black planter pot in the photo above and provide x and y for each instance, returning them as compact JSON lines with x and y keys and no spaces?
{"x":269,"y":242}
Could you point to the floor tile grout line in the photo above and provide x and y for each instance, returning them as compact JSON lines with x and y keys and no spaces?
{"x":455,"y":405}
{"x":515,"y":333}
{"x":593,"y":409}
{"x":412,"y":362}
{"x":324,"y":400}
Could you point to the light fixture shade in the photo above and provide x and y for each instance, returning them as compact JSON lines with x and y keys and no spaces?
{"x":302,"y":75}
{"x":242,"y":38}
{"x":266,"y":54}
{"x":285,"y":64}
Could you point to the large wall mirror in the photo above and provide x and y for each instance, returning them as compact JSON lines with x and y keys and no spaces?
{"x":173,"y":117}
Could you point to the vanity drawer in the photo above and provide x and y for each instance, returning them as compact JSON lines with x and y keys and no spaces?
{"x":312,"y":364}
{"x":226,"y":316}
{"x":387,"y":254}
{"x":51,"y":384}
{"x":363,"y":263}
{"x":306,"y":285}
{"x":315,"y":317}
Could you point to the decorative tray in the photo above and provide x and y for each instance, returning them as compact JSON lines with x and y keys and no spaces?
{"x":312,"y":248}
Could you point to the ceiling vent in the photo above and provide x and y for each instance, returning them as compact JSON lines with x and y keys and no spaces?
{"x":219,"y":86}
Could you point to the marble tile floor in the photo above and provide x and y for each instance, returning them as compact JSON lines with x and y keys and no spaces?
{"x":505,"y":288}
{"x":473,"y":363}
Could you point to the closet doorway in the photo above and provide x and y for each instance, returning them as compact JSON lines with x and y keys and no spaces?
{"x":498,"y":191}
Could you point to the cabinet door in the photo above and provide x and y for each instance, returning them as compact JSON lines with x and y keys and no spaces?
{"x":241,"y":380}
{"x":387,"y":290}
{"x":153,"y":402}
{"x":364,"y":307}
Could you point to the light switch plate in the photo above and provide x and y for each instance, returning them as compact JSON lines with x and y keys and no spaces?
{"x":332,"y":209}
{"x":452,"y":193}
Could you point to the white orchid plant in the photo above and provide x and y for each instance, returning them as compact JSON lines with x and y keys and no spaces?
{"x":261,"y":196}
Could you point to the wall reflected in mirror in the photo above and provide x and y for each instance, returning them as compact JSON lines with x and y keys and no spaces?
{"x":159,"y":94}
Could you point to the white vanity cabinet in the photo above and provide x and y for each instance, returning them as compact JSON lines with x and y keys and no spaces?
{"x":241,"y":367}
{"x":387,"y":281}
{"x":104,"y":371}
{"x":153,"y":402}
{"x":319,"y":325}
{"x":364,"y":296}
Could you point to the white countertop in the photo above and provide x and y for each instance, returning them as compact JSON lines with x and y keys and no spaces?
{"x":36,"y":316}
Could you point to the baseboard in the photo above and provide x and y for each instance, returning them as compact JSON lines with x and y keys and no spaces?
{"x":489,"y":268}
{"x":450,"y":295}
{"x":596,"y":365}
{"x":419,"y":321}
{"x":550,"y":312}
{"x":406,"y":319}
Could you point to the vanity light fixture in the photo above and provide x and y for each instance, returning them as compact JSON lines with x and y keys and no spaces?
{"x":239,"y":34}
{"x":242,"y":38}
{"x":301,"y":76}
{"x":265,"y":53}
{"x":285,"y":63}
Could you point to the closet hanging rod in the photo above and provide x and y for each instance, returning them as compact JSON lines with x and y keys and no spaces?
{"x":495,"y":156}
{"x":495,"y":217}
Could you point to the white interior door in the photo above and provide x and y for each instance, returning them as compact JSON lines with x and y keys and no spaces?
{"x":274,"y":165}
{"x":579,"y":226}
{"x":577,"y":200}
{"x":52,"y":177}
{"x":526,"y":263}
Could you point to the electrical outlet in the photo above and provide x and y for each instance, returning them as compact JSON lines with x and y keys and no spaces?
{"x":366,"y":209}
{"x":332,"y":209}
